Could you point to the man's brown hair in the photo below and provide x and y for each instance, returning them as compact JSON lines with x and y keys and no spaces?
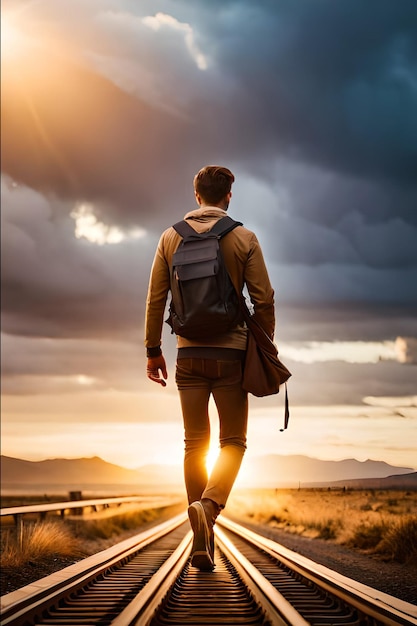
{"x":213,"y":183}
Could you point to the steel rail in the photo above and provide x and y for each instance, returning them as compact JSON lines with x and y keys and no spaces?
{"x":375,"y":604}
{"x":141,"y":610}
{"x":160,"y":587}
{"x":276,"y":608}
{"x":17,"y":605}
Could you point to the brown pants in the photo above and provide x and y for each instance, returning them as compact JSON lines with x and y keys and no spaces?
{"x":197,"y":379}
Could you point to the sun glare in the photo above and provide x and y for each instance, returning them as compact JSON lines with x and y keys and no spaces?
{"x":11,"y":38}
{"x":211,"y":458}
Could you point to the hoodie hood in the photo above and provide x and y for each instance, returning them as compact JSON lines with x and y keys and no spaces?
{"x":204,"y":218}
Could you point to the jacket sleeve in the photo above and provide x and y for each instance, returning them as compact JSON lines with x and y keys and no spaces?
{"x":159,"y":285}
{"x":259,"y":287}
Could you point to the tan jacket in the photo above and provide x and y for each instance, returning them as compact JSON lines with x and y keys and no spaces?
{"x":245,"y":263}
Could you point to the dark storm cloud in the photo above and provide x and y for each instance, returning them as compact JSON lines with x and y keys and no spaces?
{"x":55,"y":285}
{"x":331,"y":84}
{"x":348,"y":383}
{"x":313,"y":261}
{"x":76,"y":135}
{"x":74,"y":365}
{"x":348,"y":322}
{"x":327,"y":82}
{"x":311,"y":104}
{"x":87,"y":366}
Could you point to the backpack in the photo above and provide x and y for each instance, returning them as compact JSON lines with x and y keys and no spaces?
{"x":204,"y":302}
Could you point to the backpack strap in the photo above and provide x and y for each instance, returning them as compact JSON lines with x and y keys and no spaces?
{"x":224,"y":226}
{"x":185,"y":230}
{"x":220,"y":229}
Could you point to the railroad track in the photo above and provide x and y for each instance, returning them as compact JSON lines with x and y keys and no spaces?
{"x":147,"y":581}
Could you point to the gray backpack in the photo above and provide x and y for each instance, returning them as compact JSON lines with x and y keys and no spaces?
{"x":204,"y":302}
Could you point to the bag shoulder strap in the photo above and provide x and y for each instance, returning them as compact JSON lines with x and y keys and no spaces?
{"x":220,"y":229}
{"x":263,"y":340}
{"x":224,"y":226}
{"x":185,"y":230}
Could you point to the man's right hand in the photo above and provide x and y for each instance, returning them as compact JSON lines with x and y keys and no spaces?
{"x":156,"y":364}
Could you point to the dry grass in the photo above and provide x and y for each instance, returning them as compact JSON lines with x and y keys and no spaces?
{"x":105,"y":526}
{"x":380,"y":522}
{"x":68,"y":538}
{"x":399,"y":542}
{"x":38,"y":541}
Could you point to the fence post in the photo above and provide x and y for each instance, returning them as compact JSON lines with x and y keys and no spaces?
{"x":19,"y":530}
{"x":76,"y":495}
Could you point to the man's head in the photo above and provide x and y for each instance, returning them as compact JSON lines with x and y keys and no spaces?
{"x":212,"y":186}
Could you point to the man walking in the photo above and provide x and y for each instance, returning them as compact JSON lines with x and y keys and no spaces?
{"x":213,"y":363}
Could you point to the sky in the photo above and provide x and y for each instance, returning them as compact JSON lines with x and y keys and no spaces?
{"x":108,"y":110}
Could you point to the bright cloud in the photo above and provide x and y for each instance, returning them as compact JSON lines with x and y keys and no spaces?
{"x":391,"y":401}
{"x":88,"y":227}
{"x":85,"y":380}
{"x":348,"y":351}
{"x":159,"y":20}
{"x":406,"y":349}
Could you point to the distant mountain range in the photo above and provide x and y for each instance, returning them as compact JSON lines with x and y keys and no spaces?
{"x":400,"y":481}
{"x":266,"y":471}
{"x":92,"y":470}
{"x":306,"y":471}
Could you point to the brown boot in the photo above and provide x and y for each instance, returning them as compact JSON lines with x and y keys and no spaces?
{"x":202,"y":515}
{"x":212,"y":510}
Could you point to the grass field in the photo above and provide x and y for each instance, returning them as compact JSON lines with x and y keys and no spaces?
{"x":74,"y":536}
{"x":379,"y":522}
